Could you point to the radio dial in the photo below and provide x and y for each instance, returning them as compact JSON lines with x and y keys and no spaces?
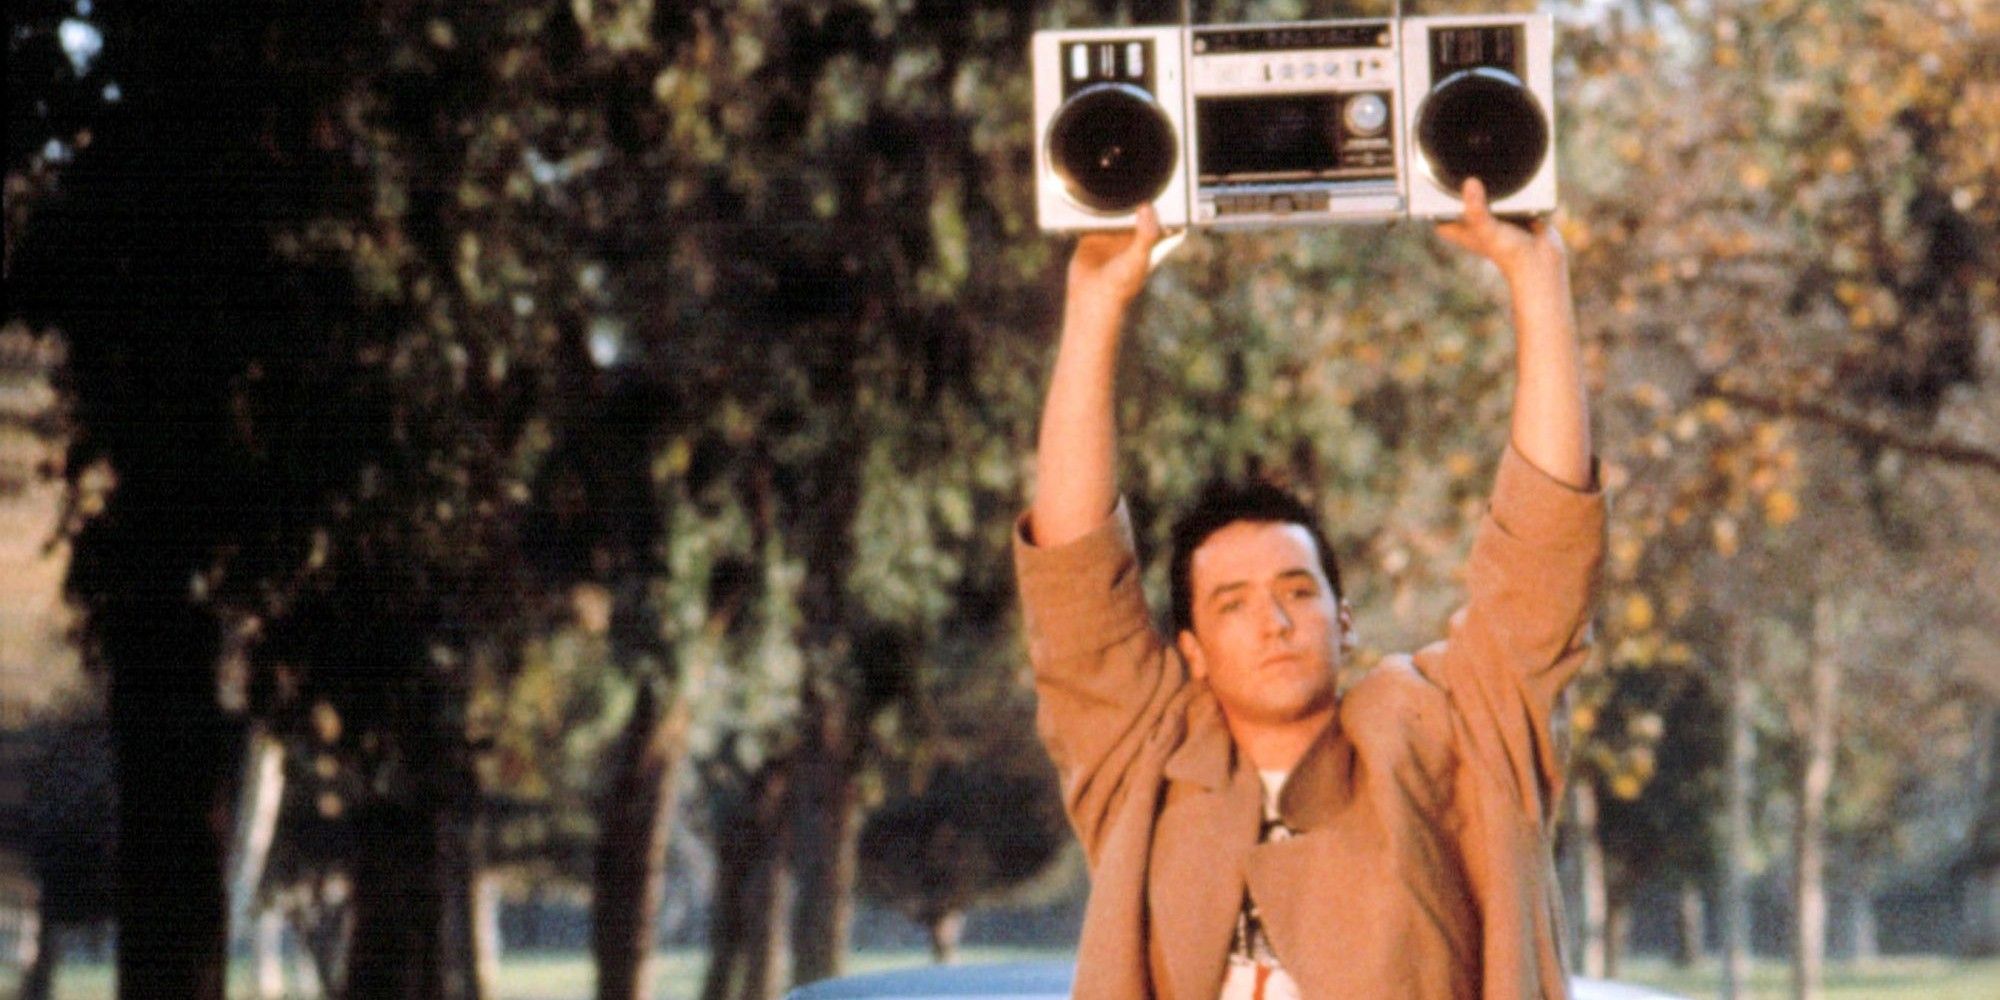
{"x":1366,"y":114}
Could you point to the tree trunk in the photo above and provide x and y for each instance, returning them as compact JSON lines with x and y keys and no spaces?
{"x":27,"y":932}
{"x":1863,"y":943}
{"x":1591,"y":915}
{"x":1738,"y":842}
{"x":1815,"y":781}
{"x":323,"y":923}
{"x":258,"y":796}
{"x":176,"y":763}
{"x":945,"y":929}
{"x":1617,"y":922}
{"x":268,"y":955}
{"x":488,"y":946}
{"x":1693,"y":926}
{"x":40,"y":974}
{"x":413,"y":907}
{"x":637,"y":816}
{"x":747,"y":918}
{"x":825,"y":855}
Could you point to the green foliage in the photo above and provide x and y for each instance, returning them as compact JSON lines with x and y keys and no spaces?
{"x":597,"y":343}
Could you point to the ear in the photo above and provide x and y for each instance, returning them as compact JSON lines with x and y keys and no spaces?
{"x":1348,"y":637}
{"x":1190,"y":648}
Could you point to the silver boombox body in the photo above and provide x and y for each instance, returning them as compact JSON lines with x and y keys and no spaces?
{"x":1298,"y":123}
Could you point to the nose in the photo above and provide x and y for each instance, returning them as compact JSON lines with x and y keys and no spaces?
{"x":1278,"y":621}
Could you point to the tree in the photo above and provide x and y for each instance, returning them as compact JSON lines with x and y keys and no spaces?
{"x":1784,"y":238}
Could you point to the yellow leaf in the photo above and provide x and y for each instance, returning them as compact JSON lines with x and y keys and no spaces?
{"x":1638,"y":612}
{"x":326,"y":722}
{"x":1780,"y":508}
{"x":1646,"y":726}
{"x":1583,"y":719}
{"x":1627,"y":550}
{"x":1726,"y":541}
{"x":1626,"y":786}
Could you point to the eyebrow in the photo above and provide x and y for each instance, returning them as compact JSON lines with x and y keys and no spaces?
{"x":1290,"y":574}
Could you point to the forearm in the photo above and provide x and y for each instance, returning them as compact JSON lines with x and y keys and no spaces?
{"x":1551,"y":421}
{"x":1076,"y":456}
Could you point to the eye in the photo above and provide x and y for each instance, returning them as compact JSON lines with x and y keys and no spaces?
{"x":1233,"y":604}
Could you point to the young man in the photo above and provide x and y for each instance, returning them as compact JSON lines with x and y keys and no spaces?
{"x":1250,"y":833}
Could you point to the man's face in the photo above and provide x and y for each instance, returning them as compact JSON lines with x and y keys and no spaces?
{"x":1268,"y":631}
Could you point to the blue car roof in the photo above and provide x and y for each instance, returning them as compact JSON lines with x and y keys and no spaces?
{"x":1011,"y":980}
{"x":1050,"y":981}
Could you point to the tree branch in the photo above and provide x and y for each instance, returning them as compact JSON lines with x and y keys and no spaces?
{"x":1872,"y":427}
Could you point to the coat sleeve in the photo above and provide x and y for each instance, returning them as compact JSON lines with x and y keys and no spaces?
{"x":1103,"y":677}
{"x":1525,"y":630}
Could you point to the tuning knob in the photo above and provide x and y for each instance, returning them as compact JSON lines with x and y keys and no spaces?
{"x":1366,"y":114}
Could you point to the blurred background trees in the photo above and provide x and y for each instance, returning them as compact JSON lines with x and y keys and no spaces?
{"x":577,"y":434}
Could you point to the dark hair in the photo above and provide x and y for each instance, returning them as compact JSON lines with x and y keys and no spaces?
{"x":1222,"y":504}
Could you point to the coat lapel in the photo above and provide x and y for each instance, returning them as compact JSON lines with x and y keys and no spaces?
{"x":1321,"y":785}
{"x":1209,"y":824}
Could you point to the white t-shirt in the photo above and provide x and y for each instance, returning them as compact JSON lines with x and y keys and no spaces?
{"x":1254,"y":972}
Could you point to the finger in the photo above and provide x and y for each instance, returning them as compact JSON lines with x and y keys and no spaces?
{"x":1165,"y":247}
{"x":1457,"y":234}
{"x":1148,"y":225}
{"x":1145,"y":234}
{"x":1478,"y":215}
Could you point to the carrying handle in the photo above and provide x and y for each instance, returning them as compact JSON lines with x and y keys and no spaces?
{"x":1187,"y":12}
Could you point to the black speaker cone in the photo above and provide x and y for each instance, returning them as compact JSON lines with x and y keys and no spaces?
{"x":1113,"y":147}
{"x":1483,"y":123}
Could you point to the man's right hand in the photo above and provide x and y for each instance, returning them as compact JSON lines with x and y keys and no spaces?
{"x":1109,"y":267}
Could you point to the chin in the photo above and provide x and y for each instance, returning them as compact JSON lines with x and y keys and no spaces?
{"x":1303,"y":705}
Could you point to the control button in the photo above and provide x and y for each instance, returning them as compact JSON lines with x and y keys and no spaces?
{"x":1281,"y":205}
{"x":1309,"y":71}
{"x":1366,"y":114}
{"x":1135,"y":59}
{"x":1332,"y":67}
{"x":1285,"y":71}
{"x":1079,"y":63}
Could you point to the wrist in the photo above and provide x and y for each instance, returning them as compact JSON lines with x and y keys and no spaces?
{"x":1536,"y":273}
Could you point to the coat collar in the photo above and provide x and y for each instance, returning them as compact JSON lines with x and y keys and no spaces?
{"x":1322,"y":782}
{"x":1206,"y":752}
{"x":1316,"y":789}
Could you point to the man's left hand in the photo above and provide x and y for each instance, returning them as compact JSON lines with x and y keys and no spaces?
{"x":1521,"y":251}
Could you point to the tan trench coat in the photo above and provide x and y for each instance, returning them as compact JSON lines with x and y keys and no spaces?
{"x":1422,"y":867}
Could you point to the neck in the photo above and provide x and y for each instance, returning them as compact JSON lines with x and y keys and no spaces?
{"x":1278,"y":747}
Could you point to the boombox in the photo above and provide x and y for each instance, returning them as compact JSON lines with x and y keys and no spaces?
{"x":1293,"y":124}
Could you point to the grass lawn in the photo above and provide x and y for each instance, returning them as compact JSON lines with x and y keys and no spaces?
{"x":1897,"y":978}
{"x":567,"y":976}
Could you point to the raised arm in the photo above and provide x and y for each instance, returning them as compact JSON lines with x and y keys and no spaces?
{"x":1551,"y":423}
{"x":1076,"y":456}
{"x":1103,"y":681}
{"x":1531,"y":579}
